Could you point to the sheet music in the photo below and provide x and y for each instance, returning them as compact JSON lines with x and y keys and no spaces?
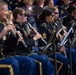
{"x":62,"y":43}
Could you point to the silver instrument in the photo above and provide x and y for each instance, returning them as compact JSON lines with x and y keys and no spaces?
{"x":36,"y":32}
{"x":14,"y":32}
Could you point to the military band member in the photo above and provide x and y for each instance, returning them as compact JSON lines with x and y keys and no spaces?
{"x":21,"y":65}
{"x":66,"y":8}
{"x":72,"y":38}
{"x":46,"y":29}
{"x":20,"y":17}
{"x":57,"y":21}
{"x":10,"y":60}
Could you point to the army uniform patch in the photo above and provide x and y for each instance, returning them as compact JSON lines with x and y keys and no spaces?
{"x":44,"y":35}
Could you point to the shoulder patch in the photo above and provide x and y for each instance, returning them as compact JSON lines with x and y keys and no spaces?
{"x":44,"y":35}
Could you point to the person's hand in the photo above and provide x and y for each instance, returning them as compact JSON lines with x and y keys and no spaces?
{"x":37,"y":36}
{"x":6,"y":30}
{"x":62,"y":49}
{"x":20,"y":37}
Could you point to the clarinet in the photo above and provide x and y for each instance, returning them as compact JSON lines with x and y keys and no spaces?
{"x":35,"y":31}
{"x":14,"y":32}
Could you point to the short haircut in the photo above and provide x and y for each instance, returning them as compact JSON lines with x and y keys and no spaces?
{"x":2,"y":3}
{"x":16,"y":12}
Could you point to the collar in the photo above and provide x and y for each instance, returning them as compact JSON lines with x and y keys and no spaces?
{"x":16,"y":22}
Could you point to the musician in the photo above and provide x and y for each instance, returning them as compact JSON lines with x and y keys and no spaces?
{"x":66,"y":19}
{"x":8,"y":61}
{"x":46,"y":30}
{"x":62,"y":34}
{"x":20,"y":22}
{"x":65,"y":8}
{"x":58,"y":23}
{"x":72,"y":38}
{"x":21,"y":65}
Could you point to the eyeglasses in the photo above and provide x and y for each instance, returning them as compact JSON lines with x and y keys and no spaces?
{"x":52,"y":15}
{"x":56,"y":13}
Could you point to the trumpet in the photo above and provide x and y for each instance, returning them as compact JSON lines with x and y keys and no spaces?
{"x":14,"y":32}
{"x":36,"y":32}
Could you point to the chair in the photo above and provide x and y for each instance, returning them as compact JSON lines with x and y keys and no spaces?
{"x":9,"y":67}
{"x":39,"y":65}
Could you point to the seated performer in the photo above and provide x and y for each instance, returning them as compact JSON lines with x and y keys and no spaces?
{"x":22,"y":25}
{"x":21,"y":65}
{"x":47,"y":28}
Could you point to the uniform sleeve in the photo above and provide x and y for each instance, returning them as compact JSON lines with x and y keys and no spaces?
{"x":10,"y":43}
{"x":29,"y":41}
{"x":1,"y":28}
{"x":43,"y":32}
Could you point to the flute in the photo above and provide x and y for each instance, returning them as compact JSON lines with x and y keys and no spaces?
{"x":14,"y":31}
{"x":36,"y":32}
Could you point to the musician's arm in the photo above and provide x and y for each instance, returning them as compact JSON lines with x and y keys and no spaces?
{"x":43,"y":32}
